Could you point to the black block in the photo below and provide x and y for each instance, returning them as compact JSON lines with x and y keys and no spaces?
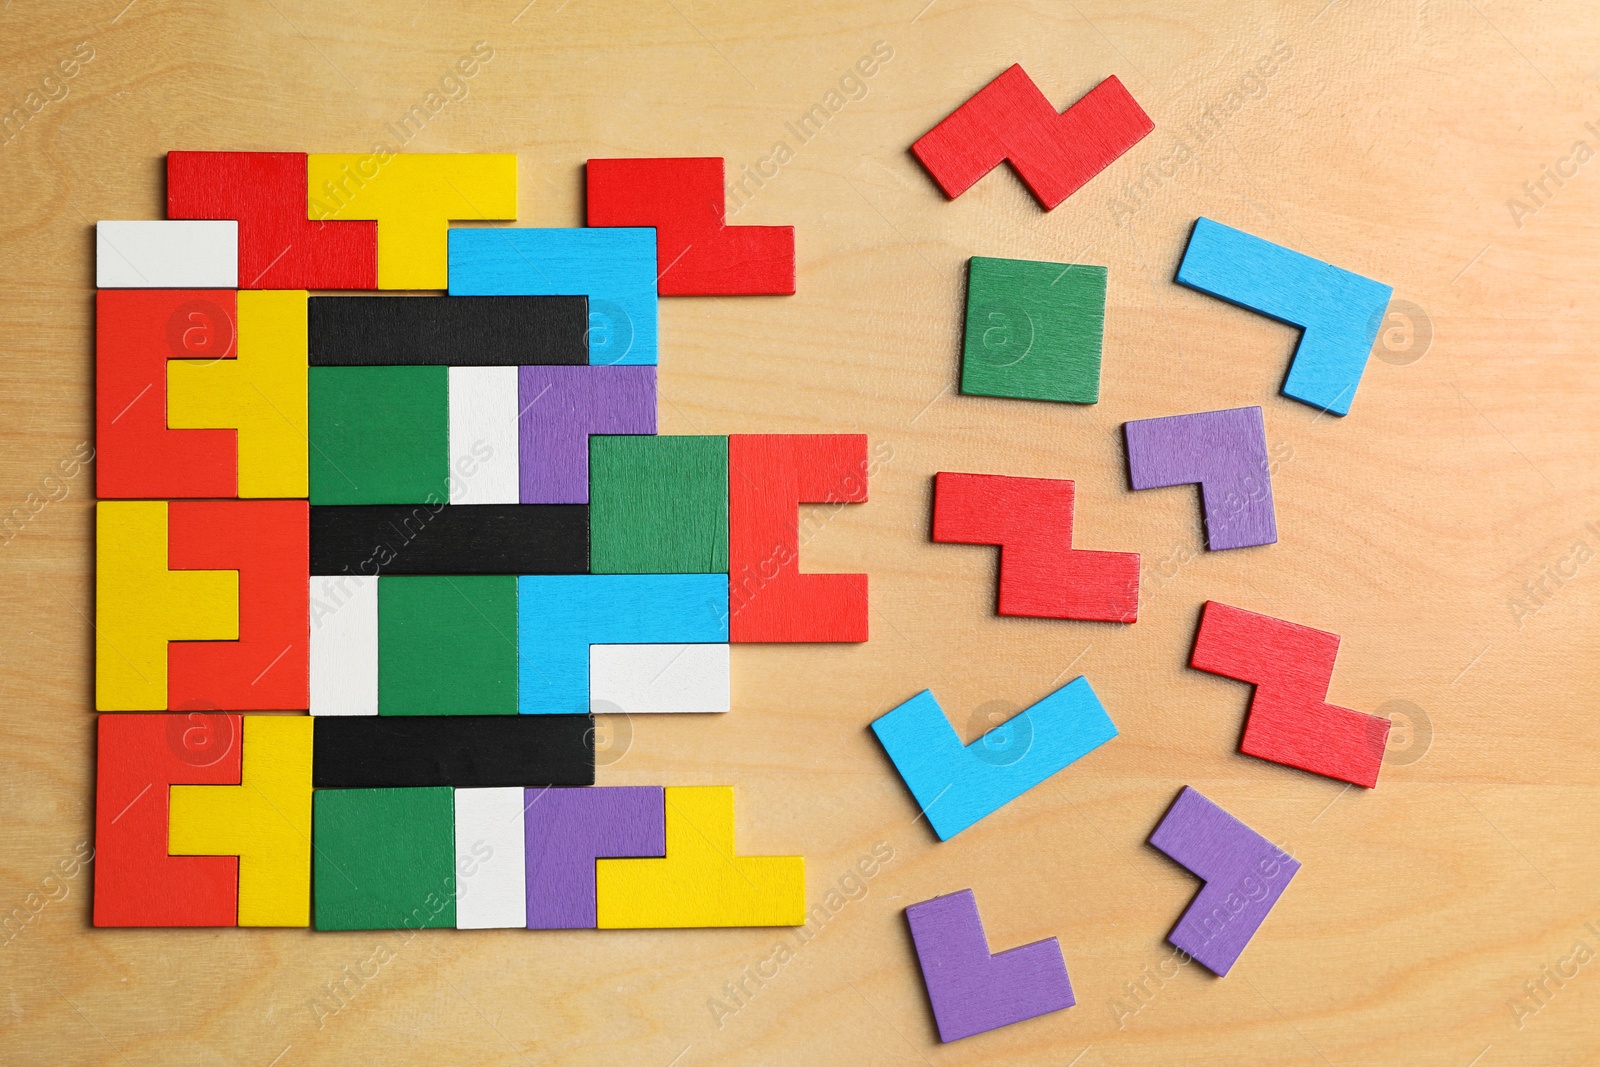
{"x":456,"y":331}
{"x":464,"y":751}
{"x":450,"y":539}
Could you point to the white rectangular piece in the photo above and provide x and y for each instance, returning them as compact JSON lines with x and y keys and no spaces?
{"x":484,"y":464}
{"x":644,"y":679}
{"x":344,"y":644}
{"x":491,"y":872}
{"x":166,"y":254}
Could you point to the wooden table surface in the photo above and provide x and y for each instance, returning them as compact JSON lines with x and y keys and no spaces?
{"x":1444,"y":529}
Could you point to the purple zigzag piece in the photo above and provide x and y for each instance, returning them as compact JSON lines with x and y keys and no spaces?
{"x":566,"y":830}
{"x":560,"y":406}
{"x":1244,"y":875}
{"x":1226,"y":452}
{"x":972,"y":991}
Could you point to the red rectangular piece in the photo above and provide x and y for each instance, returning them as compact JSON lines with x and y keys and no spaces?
{"x":1010,"y":119}
{"x":135,"y":882}
{"x":268,"y":667}
{"x":769,"y":598}
{"x":279,"y":248}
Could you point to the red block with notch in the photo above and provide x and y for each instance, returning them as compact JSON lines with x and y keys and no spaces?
{"x":135,"y":882}
{"x":1290,"y":720}
{"x":1041,"y":574}
{"x":769,"y":599}
{"x":279,"y":248}
{"x":136,"y":332}
{"x":697,"y":253}
{"x":1054,"y":155}
{"x":268,"y":667}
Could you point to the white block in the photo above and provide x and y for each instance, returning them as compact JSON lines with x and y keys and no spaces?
{"x":645,"y":679}
{"x":344,"y":644}
{"x":166,"y":254}
{"x":484,"y":465}
{"x":491,"y":872}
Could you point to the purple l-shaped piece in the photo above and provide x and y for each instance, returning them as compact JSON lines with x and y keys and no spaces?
{"x":1226,"y":452}
{"x":566,"y":830}
{"x":559,"y":407}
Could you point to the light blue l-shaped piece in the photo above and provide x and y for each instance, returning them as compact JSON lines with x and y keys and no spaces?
{"x":957,"y":785}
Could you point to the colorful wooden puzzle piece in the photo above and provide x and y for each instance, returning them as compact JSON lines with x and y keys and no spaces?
{"x":660,"y":679}
{"x":447,"y":645}
{"x":385,"y":859}
{"x":491,"y":872}
{"x":476,"y":751}
{"x":1033,"y":330}
{"x":560,"y":407}
{"x":568,"y":830}
{"x":379,"y":435}
{"x":485,"y":457}
{"x":166,"y":254}
{"x":1226,"y":453}
{"x":382,"y":539}
{"x":463,"y":331}
{"x":658,"y":505}
{"x":344,"y":644}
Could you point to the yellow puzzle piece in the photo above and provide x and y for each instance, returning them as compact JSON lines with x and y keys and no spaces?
{"x":265,"y":821}
{"x":261,"y":393}
{"x":700,"y":882}
{"x":414,"y":198}
{"x":140,"y":605}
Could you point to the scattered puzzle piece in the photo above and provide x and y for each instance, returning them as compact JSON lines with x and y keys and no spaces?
{"x":476,"y":751}
{"x":560,"y":407}
{"x":380,"y":435}
{"x":166,"y":254}
{"x":447,"y":645}
{"x":568,"y":830}
{"x":658,"y":505}
{"x":1226,"y":453}
{"x":385,"y":859}
{"x":1034,"y":330}
{"x":492,"y":871}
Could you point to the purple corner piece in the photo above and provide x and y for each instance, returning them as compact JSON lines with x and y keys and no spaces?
{"x":568,"y":829}
{"x":559,"y":407}
{"x":1226,"y":453}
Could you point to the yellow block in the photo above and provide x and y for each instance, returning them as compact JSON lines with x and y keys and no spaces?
{"x":261,"y":393}
{"x":140,"y":605}
{"x":700,"y":882}
{"x":265,"y":821}
{"x":414,"y":198}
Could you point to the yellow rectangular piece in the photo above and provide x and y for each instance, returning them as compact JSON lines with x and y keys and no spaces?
{"x":413,"y":198}
{"x":140,"y":605}
{"x":261,"y":393}
{"x":700,"y":882}
{"x":265,"y":821}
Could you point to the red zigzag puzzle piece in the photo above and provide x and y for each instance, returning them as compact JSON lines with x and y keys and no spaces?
{"x":1041,"y":574}
{"x":1290,"y":721}
{"x":1010,"y":119}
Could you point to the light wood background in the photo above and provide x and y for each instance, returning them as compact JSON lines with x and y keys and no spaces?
{"x":1437,"y":528}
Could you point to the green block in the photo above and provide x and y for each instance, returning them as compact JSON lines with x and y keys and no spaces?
{"x":380,"y":435}
{"x":448,"y":645}
{"x":658,"y":505}
{"x":383,"y":859}
{"x":1033,"y":330}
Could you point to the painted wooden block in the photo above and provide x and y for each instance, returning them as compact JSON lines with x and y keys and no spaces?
{"x":385,"y":859}
{"x":956,"y":785}
{"x":476,"y":751}
{"x":1041,"y":574}
{"x":768,"y":476}
{"x":560,"y":407}
{"x":1034,"y":330}
{"x":447,"y":645}
{"x":1225,"y":452}
{"x":1243,"y":872}
{"x":380,"y":435}
{"x":651,"y":679}
{"x":413,"y":198}
{"x":658,"y":505}
{"x":614,"y":267}
{"x":279,"y":248}
{"x":136,"y":882}
{"x":702,"y":881}
{"x":265,"y":820}
{"x":1339,"y":311}
{"x":568,"y":830}
{"x":344,"y":644}
{"x":484,"y":463}
{"x":1010,"y":120}
{"x":972,"y":991}
{"x":458,"y":331}
{"x":140,"y":605}
{"x":166,"y":254}
{"x":491,"y":866}
{"x":697,"y":252}
{"x":560,"y":616}
{"x":451,"y":539}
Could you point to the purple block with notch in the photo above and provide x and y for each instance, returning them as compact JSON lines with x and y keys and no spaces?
{"x":559,"y":407}
{"x":566,"y":830}
{"x":1226,"y":453}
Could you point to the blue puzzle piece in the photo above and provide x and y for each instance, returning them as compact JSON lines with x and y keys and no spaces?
{"x":615,"y":267}
{"x":957,"y":786}
{"x":560,"y":615}
{"x":1340,"y":312}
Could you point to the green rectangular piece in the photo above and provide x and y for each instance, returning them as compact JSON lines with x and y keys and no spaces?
{"x":658,"y":505}
{"x":383,"y":859}
{"x":447,"y":645}
{"x":1034,"y":330}
{"x":380,"y":435}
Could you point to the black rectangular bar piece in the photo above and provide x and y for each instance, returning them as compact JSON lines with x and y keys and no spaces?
{"x":456,"y":331}
{"x":377,"y":539}
{"x":464,"y":751}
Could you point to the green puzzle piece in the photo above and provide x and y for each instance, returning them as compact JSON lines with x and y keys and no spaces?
{"x":447,"y":645}
{"x":380,"y":435}
{"x":658,"y":505}
{"x":1034,"y":330}
{"x":384,"y":859}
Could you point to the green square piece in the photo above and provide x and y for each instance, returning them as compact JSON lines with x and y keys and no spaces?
{"x":1034,"y":330}
{"x":384,"y":859}
{"x":658,"y":505}
{"x":447,"y":645}
{"x":380,"y":435}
